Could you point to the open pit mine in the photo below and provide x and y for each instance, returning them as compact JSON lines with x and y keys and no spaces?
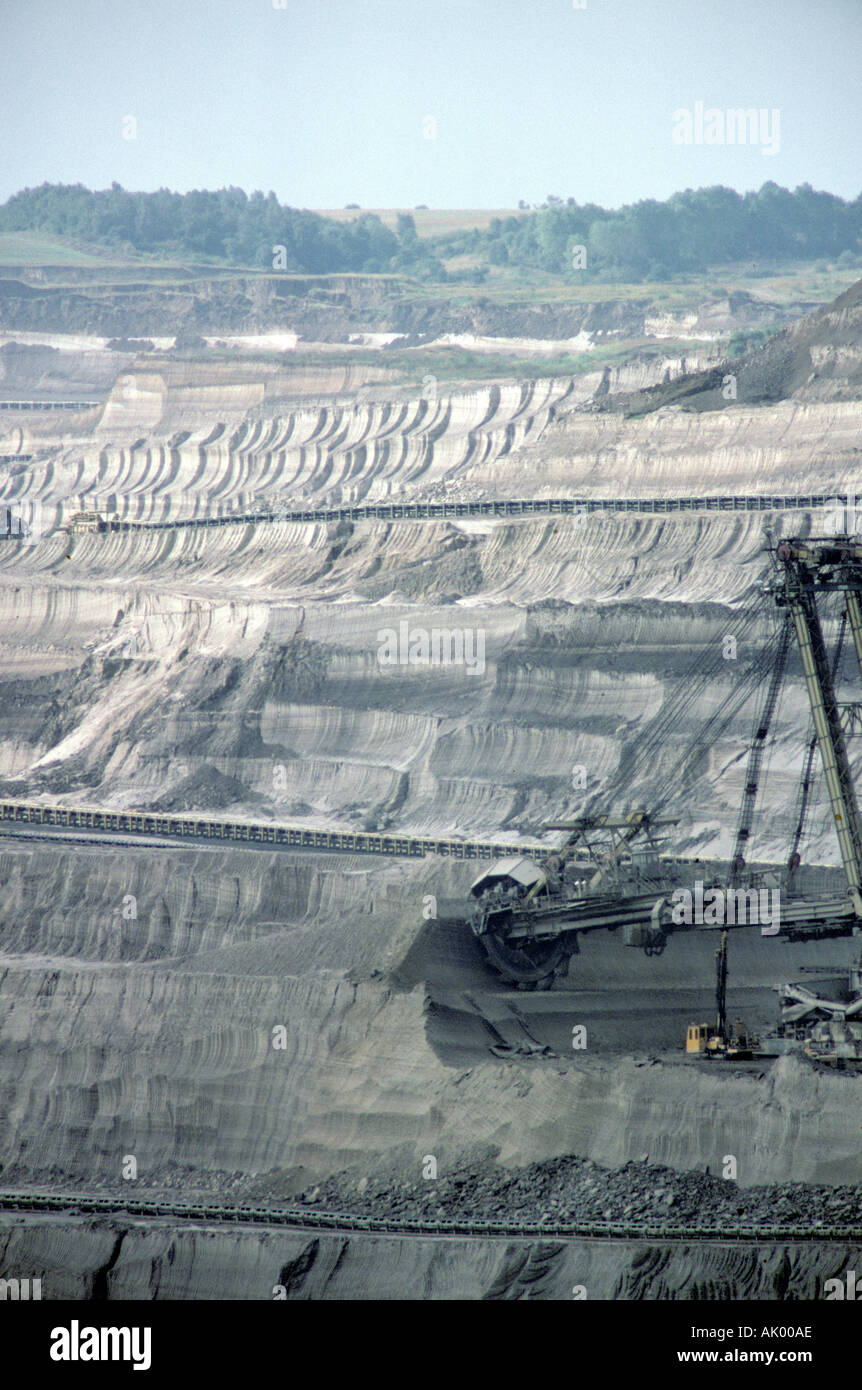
{"x":402,"y":796}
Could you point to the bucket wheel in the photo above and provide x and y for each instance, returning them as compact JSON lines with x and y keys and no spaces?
{"x":530,"y":964}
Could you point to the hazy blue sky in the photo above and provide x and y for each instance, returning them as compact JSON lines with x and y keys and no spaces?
{"x":327,"y":101}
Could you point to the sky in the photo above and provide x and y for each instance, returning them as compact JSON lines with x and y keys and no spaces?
{"x":449,"y":103}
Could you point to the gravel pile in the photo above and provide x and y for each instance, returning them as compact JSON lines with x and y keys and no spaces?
{"x":576,"y":1189}
{"x":559,"y":1190}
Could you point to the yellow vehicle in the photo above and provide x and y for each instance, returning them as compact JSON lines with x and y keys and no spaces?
{"x":738,"y":1045}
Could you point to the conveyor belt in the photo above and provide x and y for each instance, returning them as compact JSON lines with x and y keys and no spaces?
{"x":73,"y":1203}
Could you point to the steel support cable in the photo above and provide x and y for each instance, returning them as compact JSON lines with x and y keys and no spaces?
{"x":828,"y":823}
{"x":800,"y":589}
{"x":809,"y":775}
{"x":706,"y":666}
{"x":717,"y":723}
{"x":809,"y":793}
{"x":766,"y":770}
{"x":750,"y":678}
{"x":729,"y":708}
{"x":725,"y":712}
{"x":710,"y":734}
{"x":668,"y":719}
{"x":754,"y":766}
{"x":689,"y":692}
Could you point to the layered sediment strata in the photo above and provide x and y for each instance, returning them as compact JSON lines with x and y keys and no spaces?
{"x":80,"y":1259}
{"x":238,"y":670}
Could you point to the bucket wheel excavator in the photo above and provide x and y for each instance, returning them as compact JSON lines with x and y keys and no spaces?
{"x":529,"y":914}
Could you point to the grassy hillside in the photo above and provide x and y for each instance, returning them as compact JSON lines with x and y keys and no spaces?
{"x":37,"y":248}
{"x":429,"y":222}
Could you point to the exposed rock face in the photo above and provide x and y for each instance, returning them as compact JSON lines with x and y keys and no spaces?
{"x":817,"y":358}
{"x":328,"y":308}
{"x":258,"y":683}
{"x":714,"y":320}
{"x":241,"y":667}
{"x":130,"y":1260}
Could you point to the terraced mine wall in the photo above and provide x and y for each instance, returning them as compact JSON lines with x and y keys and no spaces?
{"x":234,"y":674}
{"x":255,"y":691}
{"x":78,"y":1259}
{"x":159,"y":1030}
